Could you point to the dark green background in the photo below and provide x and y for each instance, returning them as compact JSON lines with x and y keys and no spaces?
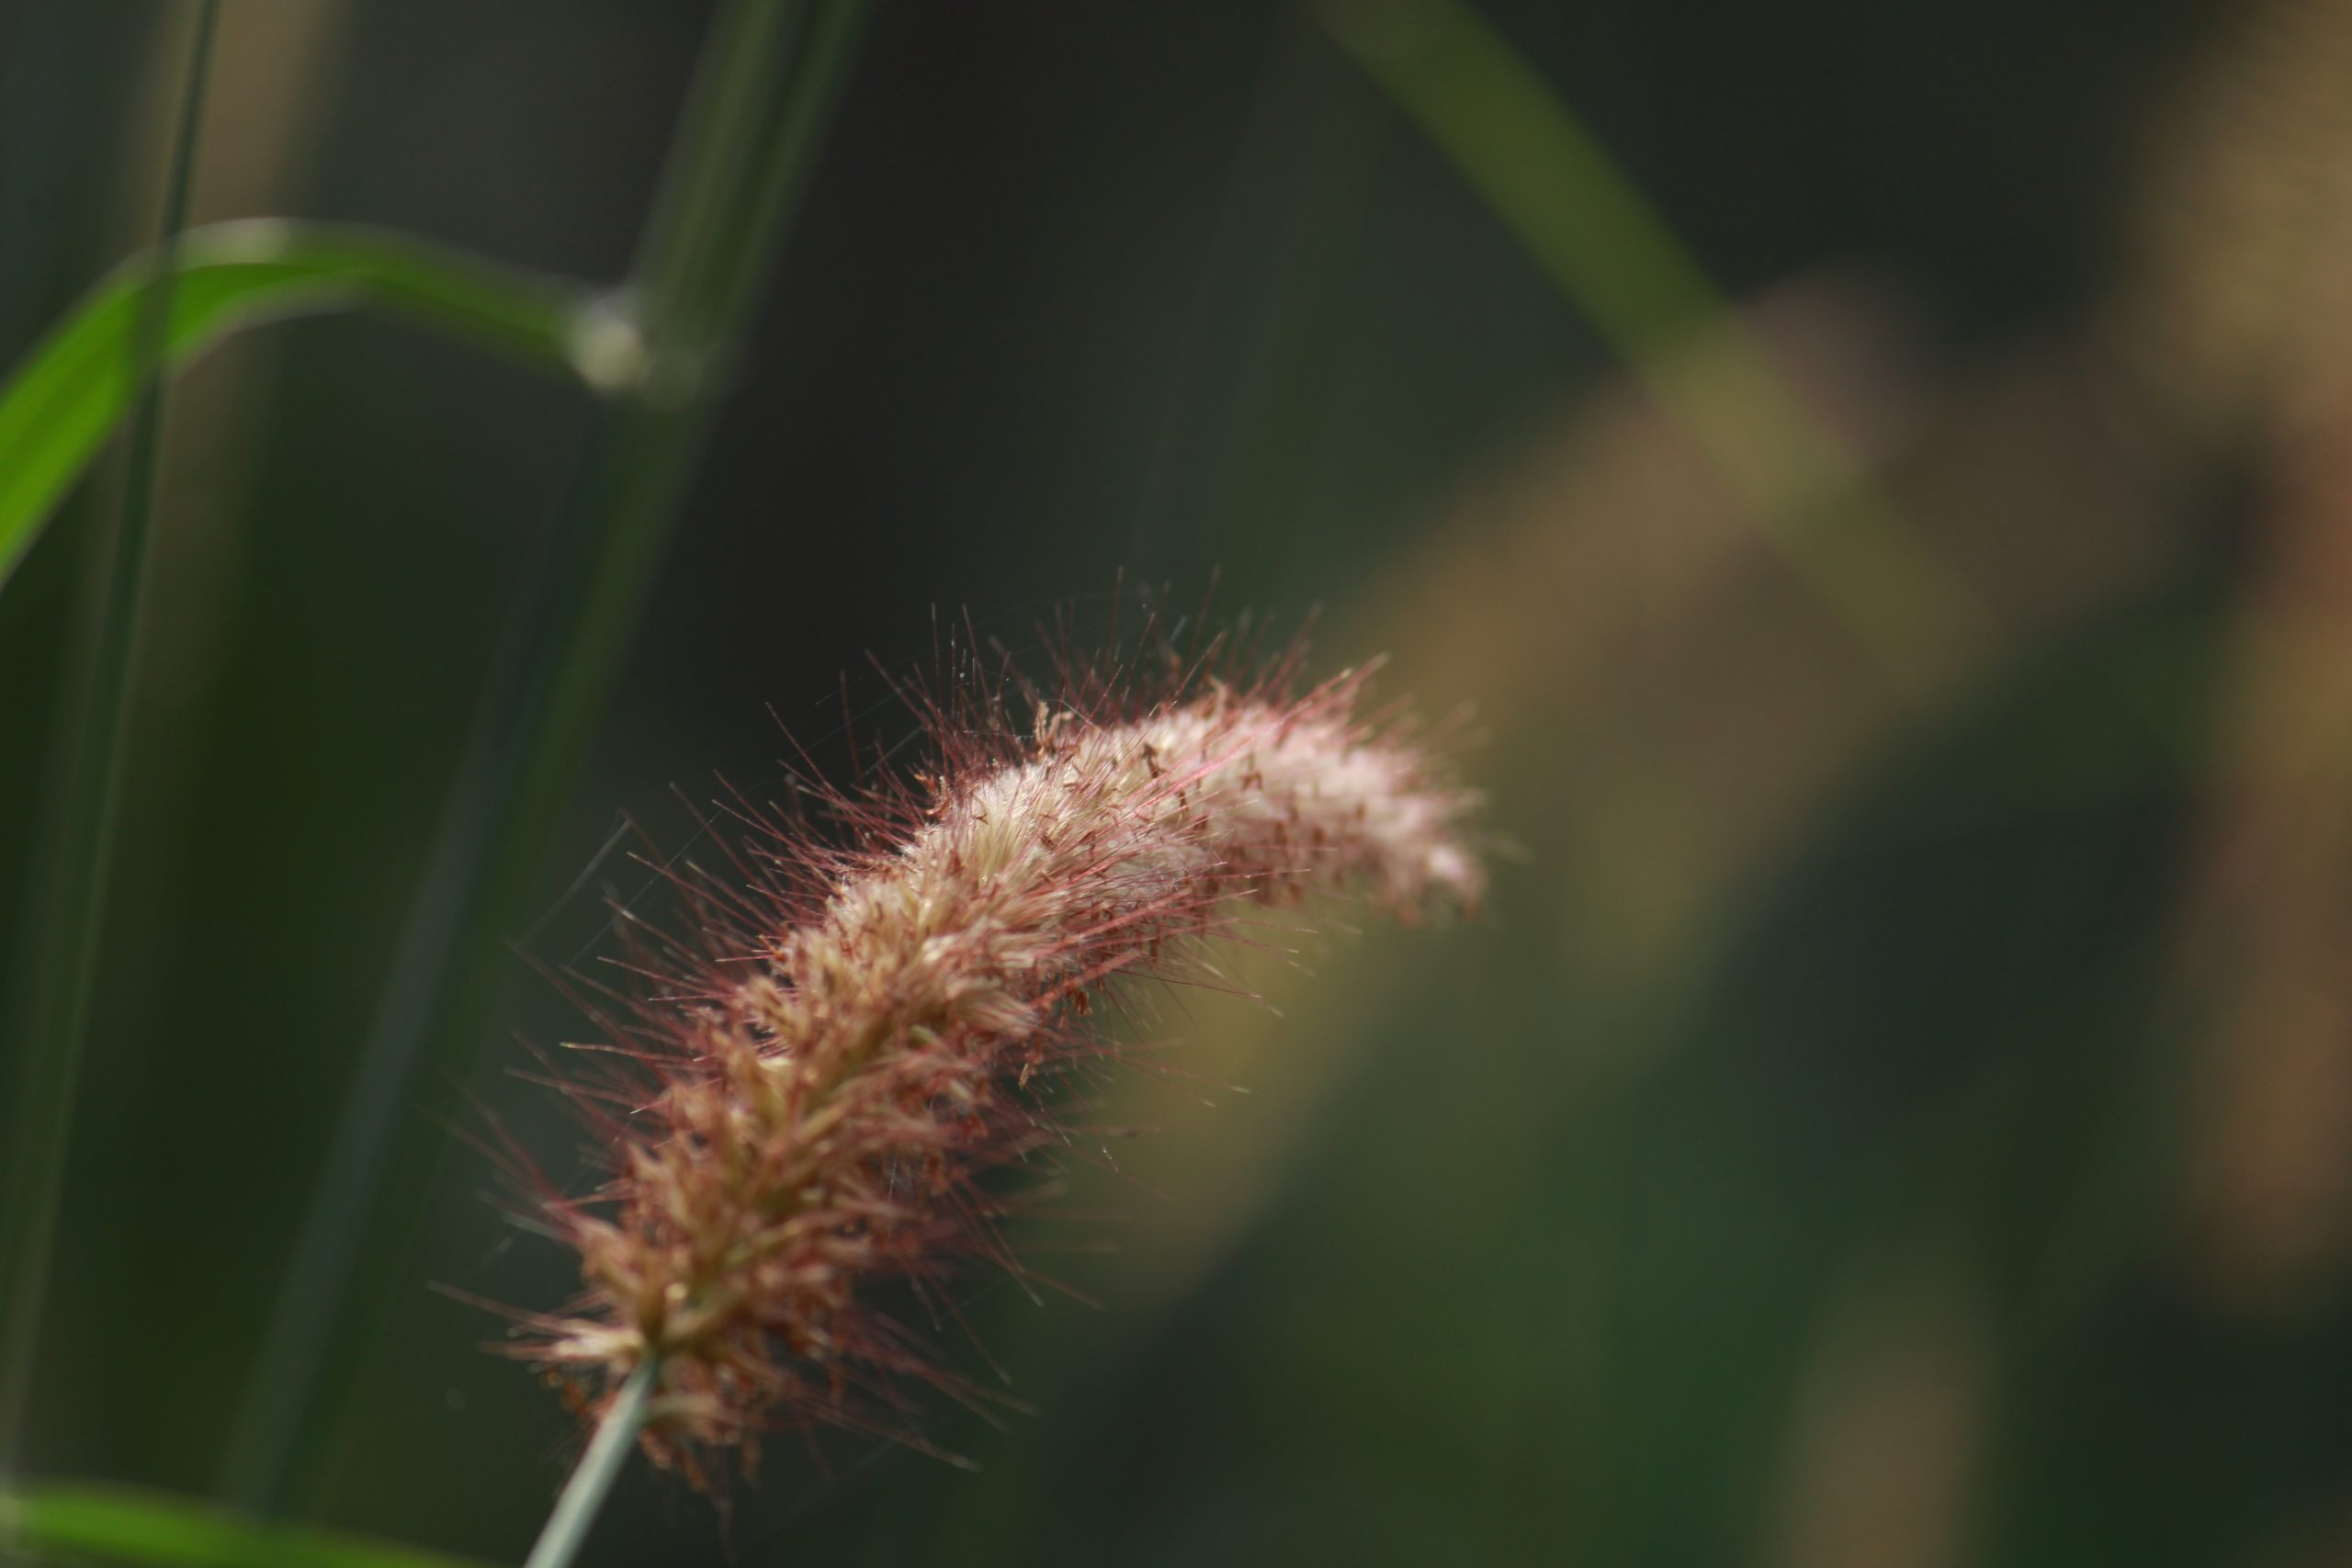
{"x":1085,"y":290}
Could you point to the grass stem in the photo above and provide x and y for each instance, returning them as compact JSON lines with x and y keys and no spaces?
{"x":747,"y":138}
{"x":68,"y":913}
{"x":591,"y":1480}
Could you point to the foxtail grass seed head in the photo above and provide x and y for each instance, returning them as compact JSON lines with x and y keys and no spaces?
{"x":865,"y":1030}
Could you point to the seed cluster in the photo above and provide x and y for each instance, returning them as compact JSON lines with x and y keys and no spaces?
{"x":842,"y":1071}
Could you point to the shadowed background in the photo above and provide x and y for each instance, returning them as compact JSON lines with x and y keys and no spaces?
{"x":1897,"y":1108}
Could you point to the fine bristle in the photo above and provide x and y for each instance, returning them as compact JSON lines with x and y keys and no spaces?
{"x":862,"y":1031}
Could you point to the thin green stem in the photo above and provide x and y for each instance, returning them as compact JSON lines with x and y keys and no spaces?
{"x":708,"y":169}
{"x":787,"y":161}
{"x":591,"y":1480}
{"x":747,"y":138}
{"x":69,"y":913}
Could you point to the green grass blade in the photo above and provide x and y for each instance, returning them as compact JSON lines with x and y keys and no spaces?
{"x":123,"y":1524}
{"x":76,"y":386}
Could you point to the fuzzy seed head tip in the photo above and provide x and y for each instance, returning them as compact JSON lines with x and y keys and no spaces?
{"x":865,"y":1033}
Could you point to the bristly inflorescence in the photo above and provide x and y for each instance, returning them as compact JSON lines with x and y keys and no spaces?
{"x":860,"y":1036}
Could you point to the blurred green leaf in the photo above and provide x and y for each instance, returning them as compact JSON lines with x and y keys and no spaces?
{"x":123,"y":1524}
{"x":61,"y":404}
{"x":1615,"y":258}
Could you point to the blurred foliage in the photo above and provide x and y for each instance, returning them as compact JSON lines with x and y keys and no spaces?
{"x":1880,"y":1121}
{"x":119,"y":1524}
{"x":76,"y":385}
